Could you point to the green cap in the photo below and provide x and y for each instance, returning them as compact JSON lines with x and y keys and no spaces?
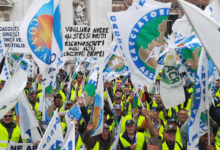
{"x":169,"y":128}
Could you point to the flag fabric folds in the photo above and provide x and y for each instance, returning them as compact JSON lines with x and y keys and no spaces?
{"x":98,"y":110}
{"x":53,"y":137}
{"x":28,"y":66}
{"x":138,"y":34}
{"x":15,"y":85}
{"x":25,"y":117}
{"x":69,"y":141}
{"x":171,"y":87}
{"x":41,"y":31}
{"x":197,"y":118}
{"x":206,"y":28}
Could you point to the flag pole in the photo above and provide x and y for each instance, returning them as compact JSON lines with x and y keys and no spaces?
{"x":208,"y":127}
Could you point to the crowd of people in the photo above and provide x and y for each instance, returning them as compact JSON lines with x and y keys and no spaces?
{"x":156,"y":128}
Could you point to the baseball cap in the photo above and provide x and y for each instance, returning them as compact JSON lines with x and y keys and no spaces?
{"x":31,"y":92}
{"x":210,"y":128}
{"x":126,"y":83}
{"x":69,"y":102}
{"x":105,"y":126}
{"x":169,"y":128}
{"x":29,"y":82}
{"x":171,"y":120}
{"x":129,"y":122}
{"x":117,"y":96}
{"x":117,"y":106}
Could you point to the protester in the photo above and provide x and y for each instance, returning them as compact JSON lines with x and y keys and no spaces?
{"x":154,"y":144}
{"x":131,"y":139}
{"x":102,"y":141}
{"x":9,"y":131}
{"x":34,"y":103}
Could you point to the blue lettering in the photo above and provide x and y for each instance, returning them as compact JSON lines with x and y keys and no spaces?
{"x":113,"y":18}
{"x":19,"y":147}
{"x":51,"y":61}
{"x":117,"y":33}
{"x":115,"y":26}
{"x":50,"y":70}
{"x":28,"y":148}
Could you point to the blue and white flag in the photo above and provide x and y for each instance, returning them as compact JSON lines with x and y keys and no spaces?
{"x":197,"y":119}
{"x":61,"y":62}
{"x":41,"y":30}
{"x":26,"y":119}
{"x":69,"y":141}
{"x":28,"y":66}
{"x":53,"y":137}
{"x":206,"y":29}
{"x":34,"y":85}
{"x":137,"y":41}
{"x":114,"y":65}
{"x":15,"y":86}
{"x":98,"y":110}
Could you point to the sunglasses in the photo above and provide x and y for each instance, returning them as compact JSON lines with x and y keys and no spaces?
{"x":8,"y":116}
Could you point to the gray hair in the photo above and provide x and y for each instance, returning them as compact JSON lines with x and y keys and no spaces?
{"x":155,"y":142}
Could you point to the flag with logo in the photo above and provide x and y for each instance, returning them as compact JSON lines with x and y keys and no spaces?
{"x":137,"y":41}
{"x":25,"y":118}
{"x":88,"y":93}
{"x":198,"y":116}
{"x":53,"y":137}
{"x":28,"y":66}
{"x":41,"y":30}
{"x":15,"y":85}
{"x":115,"y":65}
{"x":206,"y":28}
{"x":49,"y":77}
{"x":46,"y":105}
{"x":98,"y":110}
{"x":69,"y":141}
{"x":171,"y":87}
{"x":61,"y":62}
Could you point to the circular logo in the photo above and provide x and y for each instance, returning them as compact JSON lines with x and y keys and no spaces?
{"x":147,"y":34}
{"x":39,"y":32}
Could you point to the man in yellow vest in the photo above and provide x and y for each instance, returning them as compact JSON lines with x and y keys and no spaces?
{"x":78,"y":135}
{"x":203,"y":141}
{"x":182,"y":116}
{"x":131,"y":139}
{"x":102,"y":141}
{"x":58,"y":103}
{"x":9,"y":131}
{"x":154,"y":144}
{"x":28,"y":87}
{"x":34,"y":103}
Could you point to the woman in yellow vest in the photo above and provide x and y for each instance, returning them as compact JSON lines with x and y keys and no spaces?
{"x":9,"y":131}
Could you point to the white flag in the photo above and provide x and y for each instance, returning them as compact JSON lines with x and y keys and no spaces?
{"x":27,"y":120}
{"x":28,"y":66}
{"x":115,"y":143}
{"x":5,"y":75}
{"x":15,"y":85}
{"x":98,"y":108}
{"x":138,"y":33}
{"x":197,"y":120}
{"x":53,"y":137}
{"x":206,"y":28}
{"x":41,"y":31}
{"x":171,"y":86}
{"x":69,"y":141}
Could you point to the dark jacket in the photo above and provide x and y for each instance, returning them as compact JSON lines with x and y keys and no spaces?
{"x":10,"y":127}
{"x":103,"y":145}
{"x":127,"y":138}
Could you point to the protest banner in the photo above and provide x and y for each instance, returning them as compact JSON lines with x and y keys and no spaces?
{"x":7,"y":30}
{"x":85,"y":41}
{"x":21,"y":146}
